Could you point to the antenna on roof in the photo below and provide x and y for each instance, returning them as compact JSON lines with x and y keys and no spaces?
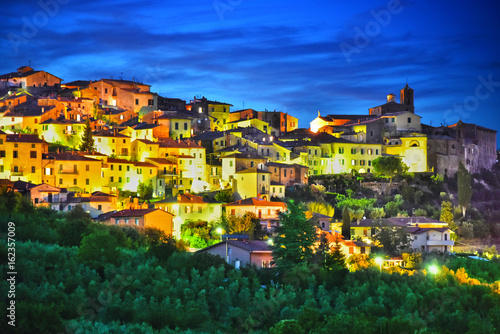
{"x":29,"y":63}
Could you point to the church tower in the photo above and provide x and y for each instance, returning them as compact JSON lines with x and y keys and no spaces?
{"x":407,"y":96}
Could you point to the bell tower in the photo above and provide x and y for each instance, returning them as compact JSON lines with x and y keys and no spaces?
{"x":407,"y":96}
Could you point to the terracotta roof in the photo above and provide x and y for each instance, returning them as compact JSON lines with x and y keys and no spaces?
{"x":143,"y":164}
{"x":252,"y":170}
{"x":24,"y":138}
{"x":168,"y":142}
{"x":245,"y":155}
{"x":119,"y":161}
{"x":69,"y":156}
{"x":135,"y":213}
{"x":162,"y":161}
{"x":147,"y":141}
{"x":254,"y":202}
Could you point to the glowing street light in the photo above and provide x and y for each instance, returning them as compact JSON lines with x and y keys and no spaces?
{"x":433,"y":269}
{"x":219,"y":232}
{"x":379,"y":261}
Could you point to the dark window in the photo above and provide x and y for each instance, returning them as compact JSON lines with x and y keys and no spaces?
{"x":14,"y":154}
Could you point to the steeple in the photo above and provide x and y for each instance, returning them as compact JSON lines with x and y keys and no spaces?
{"x":407,"y":95}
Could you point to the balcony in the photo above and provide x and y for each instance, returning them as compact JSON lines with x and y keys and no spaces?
{"x":440,"y":242}
{"x":68,"y":172}
{"x":16,"y":174}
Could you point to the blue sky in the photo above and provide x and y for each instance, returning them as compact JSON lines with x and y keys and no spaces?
{"x":333,"y":56}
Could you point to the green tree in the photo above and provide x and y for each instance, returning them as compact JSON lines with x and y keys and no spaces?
{"x":389,"y":167}
{"x":74,"y":227}
{"x":323,"y":255}
{"x":295,"y":238}
{"x":392,"y":238}
{"x":346,"y":223}
{"x":87,"y":139}
{"x":464,"y":187}
{"x":225,"y":196}
{"x":447,"y":214}
{"x":287,"y":326}
{"x":98,"y":248}
{"x":337,"y":256}
{"x":145,"y":191}
{"x":377,"y":213}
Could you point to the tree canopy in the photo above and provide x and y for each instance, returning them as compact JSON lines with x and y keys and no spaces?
{"x":389,"y":167}
{"x":295,"y":238}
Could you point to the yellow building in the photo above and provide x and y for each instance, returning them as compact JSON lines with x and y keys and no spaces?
{"x":218,"y":113}
{"x":263,"y":209}
{"x":179,"y":126}
{"x":189,"y":207}
{"x":72,"y":171}
{"x":342,"y":156}
{"x":252,"y":182}
{"x":412,"y":149}
{"x":250,"y":123}
{"x":143,"y":149}
{"x":113,"y":144}
{"x":140,"y":131}
{"x":142,"y":218}
{"x":21,"y":157}
{"x":66,"y":132}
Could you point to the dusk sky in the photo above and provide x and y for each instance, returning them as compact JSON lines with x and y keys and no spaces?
{"x":338,"y":57}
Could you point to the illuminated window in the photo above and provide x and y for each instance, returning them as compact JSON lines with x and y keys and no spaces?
{"x":353,"y":162}
{"x":370,"y":151}
{"x":137,"y":221}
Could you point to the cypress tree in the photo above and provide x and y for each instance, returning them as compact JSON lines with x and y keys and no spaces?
{"x":87,"y":139}
{"x":464,"y":187}
{"x":346,"y":223}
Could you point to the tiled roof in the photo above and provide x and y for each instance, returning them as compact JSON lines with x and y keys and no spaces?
{"x":144,"y":126}
{"x":245,"y":155}
{"x":168,"y":142}
{"x":24,"y":138}
{"x":253,"y":170}
{"x":135,"y":213}
{"x":254,"y":202}
{"x":68,"y":156}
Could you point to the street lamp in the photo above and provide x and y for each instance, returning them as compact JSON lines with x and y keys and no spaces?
{"x":379,"y":261}
{"x":433,"y":269}
{"x":219,"y":231}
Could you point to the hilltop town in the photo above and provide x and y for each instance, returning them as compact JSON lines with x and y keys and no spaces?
{"x":173,"y":150}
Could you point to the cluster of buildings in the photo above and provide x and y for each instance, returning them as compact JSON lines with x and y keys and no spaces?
{"x":180,"y":148}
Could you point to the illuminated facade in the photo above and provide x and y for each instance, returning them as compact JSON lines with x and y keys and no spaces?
{"x":21,"y":157}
